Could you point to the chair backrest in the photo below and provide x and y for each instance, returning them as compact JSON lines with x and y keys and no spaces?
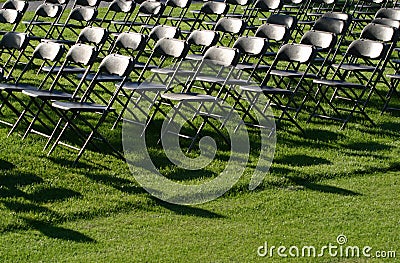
{"x":10,"y":16}
{"x":222,"y":56}
{"x":204,"y":38}
{"x":216,"y":8}
{"x":380,"y":32}
{"x":285,"y":20}
{"x":91,"y":3}
{"x":131,"y":41}
{"x":171,"y":47}
{"x":14,"y":40}
{"x":253,"y":46}
{"x":49,"y":10}
{"x":115,"y":64}
{"x":83,"y":13}
{"x":178,"y":3}
{"x":273,"y":32}
{"x":162,"y":31}
{"x":320,"y":39}
{"x":230,"y":25}
{"x":296,"y":53}
{"x":367,"y":49}
{"x":122,"y":6}
{"x":93,"y":35}
{"x":333,"y":25}
{"x":268,"y":5}
{"x":81,"y":54}
{"x":390,"y":13}
{"x":18,"y":5}
{"x":151,"y":7}
{"x":49,"y":51}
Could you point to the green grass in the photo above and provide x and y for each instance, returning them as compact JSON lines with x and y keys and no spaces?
{"x":322,"y":184}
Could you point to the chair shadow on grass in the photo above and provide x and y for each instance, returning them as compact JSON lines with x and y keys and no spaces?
{"x":57,"y":232}
{"x":187,"y":210}
{"x":323,"y":188}
{"x":301,"y":160}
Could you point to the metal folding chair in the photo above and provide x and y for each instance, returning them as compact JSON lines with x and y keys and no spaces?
{"x":71,"y":113}
{"x":80,"y":55}
{"x":285,"y":84}
{"x":47,"y":52}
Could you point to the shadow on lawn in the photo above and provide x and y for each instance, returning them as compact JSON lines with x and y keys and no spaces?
{"x":322,"y":187}
{"x":57,"y":232}
{"x":301,"y":160}
{"x":187,"y":210}
{"x":5,"y":165}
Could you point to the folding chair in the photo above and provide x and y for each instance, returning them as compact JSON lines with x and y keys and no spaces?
{"x":262,"y":9}
{"x":87,"y":3}
{"x":12,"y":50}
{"x":95,"y":36}
{"x":11,"y":17}
{"x":252,"y":50}
{"x":72,"y":112}
{"x":159,"y":32}
{"x":149,"y":91}
{"x":117,"y":8}
{"x":230,"y":29}
{"x":363,"y":61}
{"x":285,"y":84}
{"x":209,"y":12}
{"x":47,"y":52}
{"x":224,"y":59}
{"x":42,"y":29}
{"x":79,"y":54}
{"x":148,"y":16}
{"x":325,"y":43}
{"x":240,"y":9}
{"x":79,"y":18}
{"x":171,"y":15}
{"x":199,"y":41}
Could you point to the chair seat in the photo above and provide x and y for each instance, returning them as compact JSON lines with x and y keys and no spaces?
{"x":219,"y":80}
{"x":337,"y":83}
{"x":355,"y":67}
{"x":45,"y":94}
{"x":291,"y":74}
{"x":79,"y":106}
{"x":59,"y":41}
{"x":67,"y":69}
{"x":16,"y":88}
{"x":194,"y":57}
{"x":249,"y":66}
{"x":142,"y":86}
{"x":393,"y":76}
{"x":189,"y":97}
{"x":102,"y":78}
{"x":266,"y":89}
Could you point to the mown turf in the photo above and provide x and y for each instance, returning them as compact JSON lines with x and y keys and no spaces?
{"x":322,"y":184}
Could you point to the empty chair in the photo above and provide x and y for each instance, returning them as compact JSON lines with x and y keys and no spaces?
{"x":117,"y":7}
{"x":230,"y":29}
{"x":71,"y":113}
{"x":277,"y":36}
{"x":12,"y":49}
{"x":11,"y":17}
{"x":222,"y":60}
{"x":175,"y":12}
{"x":147,"y":17}
{"x":199,"y":41}
{"x":363,"y":61}
{"x":42,"y":29}
{"x":49,"y":54}
{"x":210,"y":12}
{"x":285,"y":83}
{"x":79,"y":18}
{"x":80,"y":55}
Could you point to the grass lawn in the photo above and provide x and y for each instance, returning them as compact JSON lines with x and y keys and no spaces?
{"x":321,"y":185}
